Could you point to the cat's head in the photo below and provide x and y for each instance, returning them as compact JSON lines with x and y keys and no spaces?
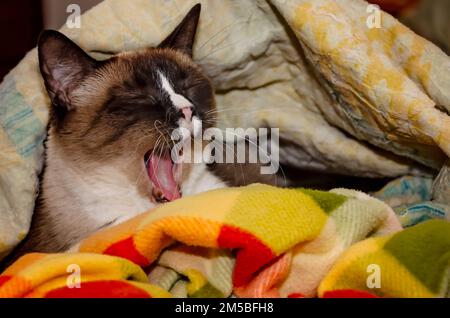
{"x":122,"y":111}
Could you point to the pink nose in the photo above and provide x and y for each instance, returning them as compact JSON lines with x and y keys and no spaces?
{"x":187,"y":112}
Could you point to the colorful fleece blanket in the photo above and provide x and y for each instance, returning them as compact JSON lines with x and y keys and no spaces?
{"x":255,"y":241}
{"x":348,"y":95}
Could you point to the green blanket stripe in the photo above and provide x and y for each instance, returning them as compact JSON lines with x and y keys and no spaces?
{"x":430,"y":263}
{"x":326,"y":200}
{"x":24,"y":130}
{"x":208,"y":291}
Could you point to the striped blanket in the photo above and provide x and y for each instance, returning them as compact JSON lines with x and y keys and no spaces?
{"x":254,"y":241}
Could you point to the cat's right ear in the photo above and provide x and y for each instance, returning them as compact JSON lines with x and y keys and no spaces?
{"x":63,"y":66}
{"x":182,"y":38}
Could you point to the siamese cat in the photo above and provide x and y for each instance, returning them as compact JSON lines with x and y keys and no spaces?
{"x":107,"y":150}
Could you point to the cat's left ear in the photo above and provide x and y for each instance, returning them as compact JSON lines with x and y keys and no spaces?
{"x":63,"y":66}
{"x":182,"y":38}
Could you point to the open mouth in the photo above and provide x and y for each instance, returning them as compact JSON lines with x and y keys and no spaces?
{"x":165,"y":175}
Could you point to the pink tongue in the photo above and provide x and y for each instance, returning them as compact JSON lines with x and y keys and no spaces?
{"x":161,"y":170}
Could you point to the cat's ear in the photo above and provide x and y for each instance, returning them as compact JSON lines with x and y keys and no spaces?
{"x":182,"y":38}
{"x":63,"y":66}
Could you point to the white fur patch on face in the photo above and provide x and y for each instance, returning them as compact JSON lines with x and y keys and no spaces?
{"x":197,"y":126}
{"x":179,"y":101}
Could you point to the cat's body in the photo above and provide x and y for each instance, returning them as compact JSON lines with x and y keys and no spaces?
{"x":107,"y":150}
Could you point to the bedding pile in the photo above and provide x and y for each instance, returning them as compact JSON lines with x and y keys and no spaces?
{"x":254,"y":241}
{"x":412,"y":200}
{"x":348,"y":96}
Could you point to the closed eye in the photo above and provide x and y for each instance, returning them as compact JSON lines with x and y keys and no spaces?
{"x":120,"y":106}
{"x":190,"y":85}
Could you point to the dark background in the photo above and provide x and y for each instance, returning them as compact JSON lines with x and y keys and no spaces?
{"x":21,"y":22}
{"x":20,"y":25}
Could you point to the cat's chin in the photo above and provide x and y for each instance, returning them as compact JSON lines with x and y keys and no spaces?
{"x":164,"y":174}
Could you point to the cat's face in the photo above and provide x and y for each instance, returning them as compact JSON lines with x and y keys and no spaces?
{"x":121,"y":112}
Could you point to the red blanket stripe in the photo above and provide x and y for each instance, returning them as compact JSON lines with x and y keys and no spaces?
{"x":251,"y":256}
{"x":127,"y":249}
{"x":100,"y":289}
